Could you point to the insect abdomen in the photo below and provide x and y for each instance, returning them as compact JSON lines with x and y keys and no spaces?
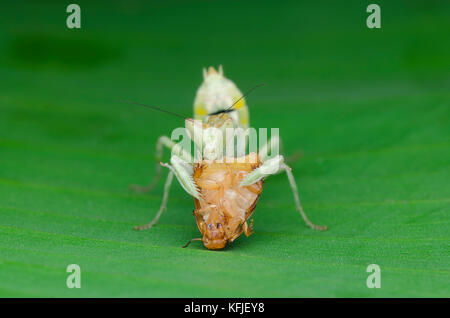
{"x":218,"y":184}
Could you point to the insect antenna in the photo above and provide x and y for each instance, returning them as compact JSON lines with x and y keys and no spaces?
{"x":240,"y":98}
{"x":154,"y":108}
{"x":194,"y":239}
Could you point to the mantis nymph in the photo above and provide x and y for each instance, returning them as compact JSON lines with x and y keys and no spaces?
{"x":225,"y":188}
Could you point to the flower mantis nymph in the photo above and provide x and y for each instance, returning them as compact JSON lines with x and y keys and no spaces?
{"x":225,"y":185}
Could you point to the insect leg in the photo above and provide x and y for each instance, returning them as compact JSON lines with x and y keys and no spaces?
{"x":163,"y":204}
{"x":248,"y":229}
{"x":184,"y":173}
{"x":163,"y":141}
{"x":176,"y":148}
{"x":294,"y":189}
{"x":269,"y":167}
{"x":274,"y":166}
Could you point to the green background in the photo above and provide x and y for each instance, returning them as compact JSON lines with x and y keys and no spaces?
{"x":368,"y":108}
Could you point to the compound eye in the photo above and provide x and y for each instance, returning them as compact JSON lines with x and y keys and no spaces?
{"x":210,"y":226}
{"x":218,"y":225}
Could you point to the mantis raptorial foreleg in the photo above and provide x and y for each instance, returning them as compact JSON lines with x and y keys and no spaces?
{"x":176,"y":149}
{"x":183,"y":171}
{"x":274,"y":166}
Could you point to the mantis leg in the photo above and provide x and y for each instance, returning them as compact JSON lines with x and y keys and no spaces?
{"x":294,"y":189}
{"x":183,"y":171}
{"x":176,"y":149}
{"x":274,"y":166}
{"x":163,"y":141}
{"x":163,"y":204}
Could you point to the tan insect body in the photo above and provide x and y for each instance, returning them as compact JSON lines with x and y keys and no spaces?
{"x":223,"y":213}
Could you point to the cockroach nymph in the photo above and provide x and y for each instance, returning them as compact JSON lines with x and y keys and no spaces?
{"x":225,"y":189}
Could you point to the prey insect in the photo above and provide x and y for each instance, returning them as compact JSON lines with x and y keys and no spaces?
{"x":225,"y":187}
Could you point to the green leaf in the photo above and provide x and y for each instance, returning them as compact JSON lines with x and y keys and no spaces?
{"x":368,"y":109}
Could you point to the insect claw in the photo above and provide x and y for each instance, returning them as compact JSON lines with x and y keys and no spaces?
{"x":143,"y":227}
{"x":320,"y":227}
{"x":165,"y":165}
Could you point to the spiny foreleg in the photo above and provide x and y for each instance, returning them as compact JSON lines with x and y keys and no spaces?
{"x":274,"y":166}
{"x":184,"y":172}
{"x":176,"y":149}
